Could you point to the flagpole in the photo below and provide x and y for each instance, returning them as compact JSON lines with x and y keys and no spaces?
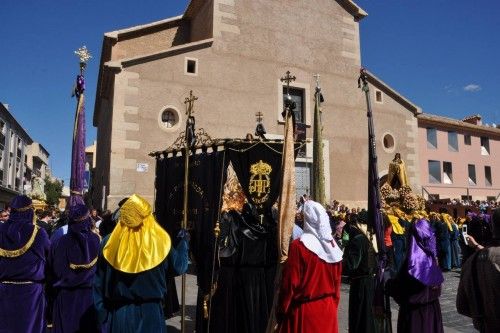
{"x":189,"y":138}
{"x":78,"y":145}
{"x":286,"y":201}
{"x":381,"y":302}
{"x":318,"y":159}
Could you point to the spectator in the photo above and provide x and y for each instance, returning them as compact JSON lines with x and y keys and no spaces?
{"x":479,"y":287}
{"x":4,"y":215}
{"x":44,"y":221}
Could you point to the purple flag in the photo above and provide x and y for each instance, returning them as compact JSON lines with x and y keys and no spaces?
{"x":78,"y":151}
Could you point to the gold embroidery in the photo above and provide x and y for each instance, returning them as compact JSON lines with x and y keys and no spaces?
{"x":21,"y":251}
{"x":260,"y":182}
{"x":84,"y":266}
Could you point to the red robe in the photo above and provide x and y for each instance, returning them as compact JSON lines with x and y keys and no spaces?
{"x":309,"y":294}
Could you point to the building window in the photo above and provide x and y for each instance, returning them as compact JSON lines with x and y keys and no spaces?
{"x":485,"y":146}
{"x":452,"y":141}
{"x":191,"y":66}
{"x":388,"y":142}
{"x":466,"y":197}
{"x":447,"y":173}
{"x":378,"y":96}
{"x":434,"y":172}
{"x":169,"y":118}
{"x":467,"y":139}
{"x":298,"y":96}
{"x":472,"y":174}
{"x":487,"y":176}
{"x":431,"y":138}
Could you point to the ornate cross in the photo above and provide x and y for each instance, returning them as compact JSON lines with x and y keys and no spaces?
{"x":317,"y":76}
{"x":189,"y":101}
{"x":259,"y":116}
{"x":288,"y":78}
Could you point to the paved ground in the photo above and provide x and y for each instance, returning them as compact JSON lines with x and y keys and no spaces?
{"x":453,"y":322}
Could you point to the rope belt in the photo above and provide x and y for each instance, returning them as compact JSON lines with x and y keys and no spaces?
{"x":17,"y":282}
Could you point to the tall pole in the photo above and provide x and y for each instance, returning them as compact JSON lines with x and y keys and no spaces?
{"x":78,"y":147}
{"x":286,"y":200}
{"x":380,"y":300}
{"x":318,"y":188}
{"x":189,"y":143}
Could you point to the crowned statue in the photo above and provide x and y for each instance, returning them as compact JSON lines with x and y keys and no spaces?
{"x":397,"y":176}
{"x":37,"y":189}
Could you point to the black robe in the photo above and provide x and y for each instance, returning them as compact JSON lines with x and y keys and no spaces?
{"x":243,"y":299}
{"x":359,"y":264}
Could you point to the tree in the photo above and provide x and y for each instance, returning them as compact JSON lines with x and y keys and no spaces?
{"x":53,"y":191}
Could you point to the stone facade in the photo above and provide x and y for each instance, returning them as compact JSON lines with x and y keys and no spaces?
{"x":240,"y":49}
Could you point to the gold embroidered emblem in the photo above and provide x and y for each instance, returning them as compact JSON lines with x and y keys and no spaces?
{"x":260,"y":182}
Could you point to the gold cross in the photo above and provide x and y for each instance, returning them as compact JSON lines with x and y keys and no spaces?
{"x":259,"y":116}
{"x":288,"y":78}
{"x":189,"y":101}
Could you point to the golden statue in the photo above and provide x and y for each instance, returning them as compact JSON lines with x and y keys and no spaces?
{"x":397,"y":176}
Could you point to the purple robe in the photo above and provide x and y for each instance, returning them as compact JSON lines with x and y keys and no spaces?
{"x":73,"y":309}
{"x":417,"y":286}
{"x":22,"y":298}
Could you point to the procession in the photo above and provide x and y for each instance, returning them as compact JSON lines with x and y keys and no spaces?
{"x":232,"y":177}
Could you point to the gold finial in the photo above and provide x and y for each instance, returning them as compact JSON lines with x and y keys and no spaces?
{"x":84,"y":54}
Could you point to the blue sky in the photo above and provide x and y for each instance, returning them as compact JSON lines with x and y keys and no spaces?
{"x":440,"y":54}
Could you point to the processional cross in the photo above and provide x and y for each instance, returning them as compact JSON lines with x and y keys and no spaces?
{"x":190,"y":130}
{"x":288,"y":78}
{"x":259,"y":115}
{"x":189,"y":101}
{"x":317,"y":76}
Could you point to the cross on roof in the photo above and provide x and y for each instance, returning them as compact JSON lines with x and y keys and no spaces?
{"x":259,"y":116}
{"x":189,"y":101}
{"x":288,"y":78}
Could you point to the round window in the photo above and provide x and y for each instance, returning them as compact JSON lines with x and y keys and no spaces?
{"x":169,"y":118}
{"x":388,"y":142}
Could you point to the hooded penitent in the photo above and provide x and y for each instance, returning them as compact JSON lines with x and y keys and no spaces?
{"x":19,"y":232}
{"x":138,"y":243}
{"x":23,"y":250}
{"x":317,"y":236}
{"x":73,"y":260}
{"x":422,"y":262}
{"x":77,"y":252}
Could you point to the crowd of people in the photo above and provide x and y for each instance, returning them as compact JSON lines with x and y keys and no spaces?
{"x":62,"y":274}
{"x":419,"y":247}
{"x":79,"y":272}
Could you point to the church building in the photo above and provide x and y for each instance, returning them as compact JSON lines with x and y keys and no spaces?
{"x":232,"y":54}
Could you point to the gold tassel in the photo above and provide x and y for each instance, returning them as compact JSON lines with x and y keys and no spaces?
{"x":217,"y":229}
{"x":205,"y":307}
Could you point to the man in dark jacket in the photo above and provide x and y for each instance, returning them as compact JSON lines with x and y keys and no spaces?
{"x":479,"y":286}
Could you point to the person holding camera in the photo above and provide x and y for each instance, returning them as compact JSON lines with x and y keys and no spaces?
{"x":479,"y":285}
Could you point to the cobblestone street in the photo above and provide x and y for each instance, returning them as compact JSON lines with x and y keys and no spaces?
{"x":453,"y":322}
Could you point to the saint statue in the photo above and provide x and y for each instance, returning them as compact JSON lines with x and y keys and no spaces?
{"x":38,"y":189}
{"x":397,"y":176}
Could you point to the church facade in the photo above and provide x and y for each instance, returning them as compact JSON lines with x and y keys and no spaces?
{"x":232,"y":54}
